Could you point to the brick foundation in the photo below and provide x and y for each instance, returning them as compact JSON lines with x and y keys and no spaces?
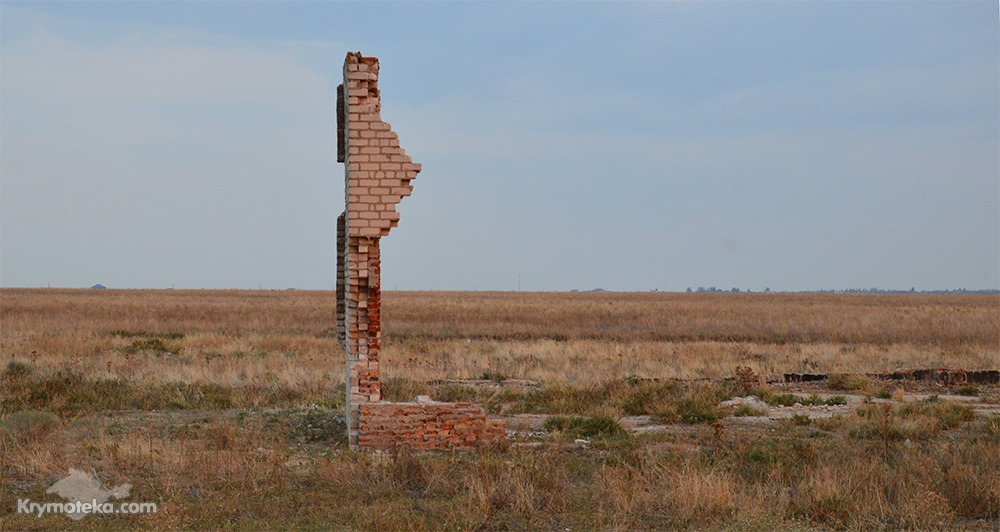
{"x":377,"y":176}
{"x":426,"y":426}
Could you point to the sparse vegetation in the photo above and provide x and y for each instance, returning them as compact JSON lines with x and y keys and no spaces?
{"x":16,"y":370}
{"x":787,"y":399}
{"x":599,"y":426}
{"x":968,"y":390}
{"x":850,"y":382}
{"x":227,"y":407}
{"x":29,"y":425}
{"x":747,"y":410}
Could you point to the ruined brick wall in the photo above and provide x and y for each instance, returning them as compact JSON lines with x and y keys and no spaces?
{"x":377,"y":176}
{"x":424,"y":426}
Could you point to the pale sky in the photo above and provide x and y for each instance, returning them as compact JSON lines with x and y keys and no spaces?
{"x":626,"y":145}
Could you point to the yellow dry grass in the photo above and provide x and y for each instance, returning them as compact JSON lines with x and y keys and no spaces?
{"x":221,"y":406}
{"x":267,"y":337}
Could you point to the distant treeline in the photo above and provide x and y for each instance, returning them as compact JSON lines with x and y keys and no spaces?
{"x":713,"y":289}
{"x":910,"y":291}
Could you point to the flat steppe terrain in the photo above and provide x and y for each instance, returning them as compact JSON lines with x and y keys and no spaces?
{"x":226,"y":409}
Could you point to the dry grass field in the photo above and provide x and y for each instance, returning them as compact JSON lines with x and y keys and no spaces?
{"x":225,"y":408}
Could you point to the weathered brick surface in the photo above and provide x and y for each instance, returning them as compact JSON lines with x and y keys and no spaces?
{"x":426,"y":426}
{"x":377,"y":177}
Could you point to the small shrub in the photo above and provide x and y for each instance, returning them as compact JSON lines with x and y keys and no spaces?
{"x":154,"y":345}
{"x":877,"y":422}
{"x":831,"y":424}
{"x":822,"y":498}
{"x":761,"y":393}
{"x":599,"y":426}
{"x":699,"y":404}
{"x":453,"y":393}
{"x":797,"y":420}
{"x":183,"y":396}
{"x":401,"y":390}
{"x":800,"y":420}
{"x":562,"y":399}
{"x":646,"y":399}
{"x":913,"y":421}
{"x":314,"y":424}
{"x":950,"y":415}
{"x":991,"y":426}
{"x":760,"y":460}
{"x":215,"y":396}
{"x":558,"y":423}
{"x":849,"y":382}
{"x":925,"y":509}
{"x":31,"y":425}
{"x":66,"y":393}
{"x":695,"y":496}
{"x":784,"y":399}
{"x":970,"y":493}
{"x":883,"y":394}
{"x":17,"y":369}
{"x":745,"y":410}
{"x":971,"y":391}
{"x":880,"y":432}
{"x":787,"y":399}
{"x":698,"y":415}
{"x":406,"y":471}
{"x":494,"y":376}
{"x":747,"y":379}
